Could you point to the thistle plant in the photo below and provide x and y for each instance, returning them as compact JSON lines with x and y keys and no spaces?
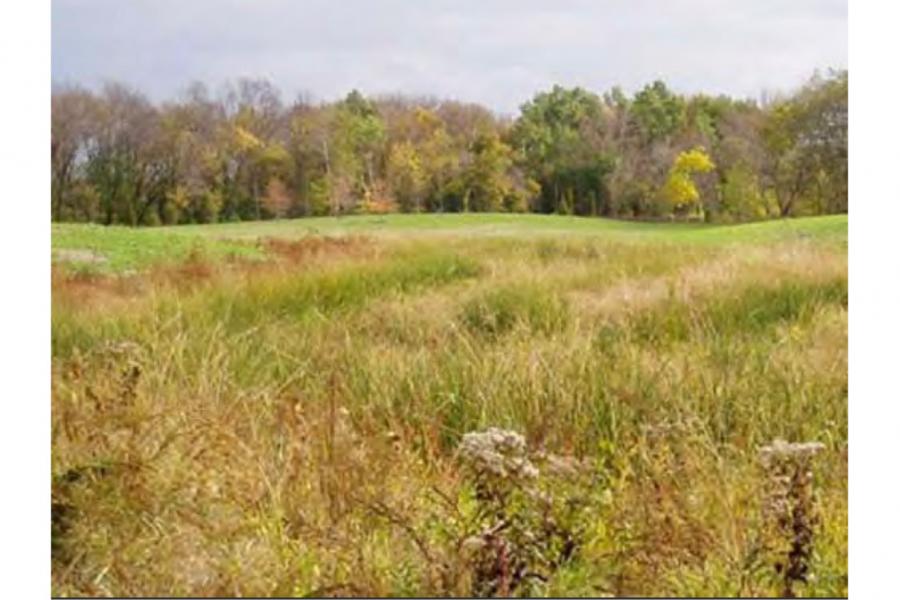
{"x":789,"y":509}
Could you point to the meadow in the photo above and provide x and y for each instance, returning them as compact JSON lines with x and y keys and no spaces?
{"x":278,"y":408}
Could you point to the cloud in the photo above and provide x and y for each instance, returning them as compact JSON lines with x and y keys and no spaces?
{"x":497,"y":52}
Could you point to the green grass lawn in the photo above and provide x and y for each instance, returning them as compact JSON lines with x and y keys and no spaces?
{"x":122,"y":248}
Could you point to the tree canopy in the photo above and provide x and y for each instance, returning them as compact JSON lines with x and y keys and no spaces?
{"x":116,"y":157}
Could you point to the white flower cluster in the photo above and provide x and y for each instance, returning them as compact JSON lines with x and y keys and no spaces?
{"x":497,"y":453}
{"x":780,"y":450}
{"x":789,"y":473}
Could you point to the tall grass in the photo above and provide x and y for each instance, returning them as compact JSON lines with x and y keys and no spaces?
{"x":293,"y":431}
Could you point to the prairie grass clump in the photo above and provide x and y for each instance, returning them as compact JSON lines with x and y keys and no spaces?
{"x":499,"y":311}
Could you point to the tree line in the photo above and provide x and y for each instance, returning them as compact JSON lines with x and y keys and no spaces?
{"x":243,"y":154}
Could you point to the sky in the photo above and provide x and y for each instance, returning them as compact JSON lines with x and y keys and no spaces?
{"x":495,"y":52}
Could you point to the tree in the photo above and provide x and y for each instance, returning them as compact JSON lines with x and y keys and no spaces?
{"x":488,"y":183}
{"x":657,"y":112}
{"x":253,"y":142}
{"x":806,"y":137}
{"x":124,"y":155}
{"x":71,"y":115}
{"x":277,"y":201}
{"x":352,"y":151}
{"x":308,"y":147}
{"x":118,"y":158}
{"x":742,"y":197}
{"x":405,"y":176}
{"x":560,"y":137}
{"x":441,"y":158}
{"x":680,"y":189}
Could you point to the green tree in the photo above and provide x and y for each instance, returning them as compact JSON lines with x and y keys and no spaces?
{"x":658,"y":113}
{"x":124,"y":159}
{"x":742,"y":197}
{"x":357,"y":134}
{"x":560,"y":137}
{"x":488,"y":182}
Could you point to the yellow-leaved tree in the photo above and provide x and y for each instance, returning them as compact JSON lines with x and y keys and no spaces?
{"x":680,"y":189}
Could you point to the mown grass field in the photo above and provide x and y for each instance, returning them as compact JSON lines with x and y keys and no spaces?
{"x":274,"y":408}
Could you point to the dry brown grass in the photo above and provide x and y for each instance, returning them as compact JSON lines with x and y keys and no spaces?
{"x":92,"y":291}
{"x":314,"y":249}
{"x":754,"y":266}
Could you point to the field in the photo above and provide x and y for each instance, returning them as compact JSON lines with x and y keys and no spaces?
{"x":277,"y":408}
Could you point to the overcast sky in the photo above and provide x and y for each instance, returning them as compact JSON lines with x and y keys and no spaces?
{"x":496,"y":52}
